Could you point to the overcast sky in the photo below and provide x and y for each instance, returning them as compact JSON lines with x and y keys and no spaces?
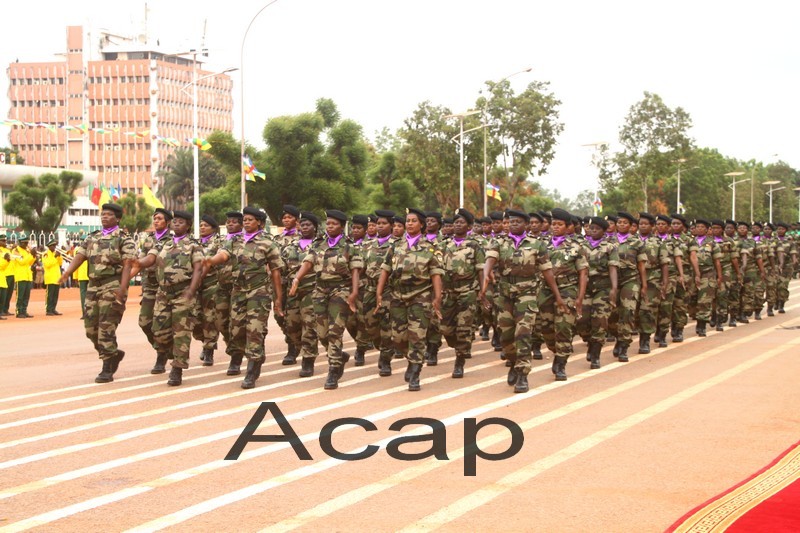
{"x":733,"y":66}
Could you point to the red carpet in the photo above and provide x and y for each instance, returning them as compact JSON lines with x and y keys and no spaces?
{"x":768,"y":501}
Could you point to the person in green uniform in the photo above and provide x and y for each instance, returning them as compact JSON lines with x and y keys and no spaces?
{"x":289,"y":235}
{"x":735,"y":287}
{"x":154,"y":241}
{"x":207,"y":325}
{"x":657,"y":268}
{"x":683,"y":291}
{"x":708,"y":260}
{"x":233,"y":227}
{"x":632,"y":283}
{"x":730,"y":272}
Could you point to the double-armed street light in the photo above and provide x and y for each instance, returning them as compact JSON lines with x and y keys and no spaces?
{"x":733,"y":176}
{"x":771,"y":190}
{"x":460,"y":136}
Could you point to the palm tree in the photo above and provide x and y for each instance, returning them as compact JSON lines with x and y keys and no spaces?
{"x":178,"y":175}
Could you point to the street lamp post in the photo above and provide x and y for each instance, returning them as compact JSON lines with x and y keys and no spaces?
{"x":771,"y":190}
{"x":678,"y":205}
{"x":460,"y":117}
{"x":733,"y":176}
{"x":597,"y":147}
{"x":241,"y":103}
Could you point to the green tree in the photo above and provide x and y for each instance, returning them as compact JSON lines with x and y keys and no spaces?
{"x":137,"y":215}
{"x":40,"y":203}
{"x":8,"y":151}
{"x":220,"y":201}
{"x":177,"y":174}
{"x":391,"y":191}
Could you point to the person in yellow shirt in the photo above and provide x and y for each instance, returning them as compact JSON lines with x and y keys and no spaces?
{"x":81,"y":276}
{"x":8,"y":278}
{"x":5,"y":261}
{"x":23,"y":275}
{"x":52,"y":261}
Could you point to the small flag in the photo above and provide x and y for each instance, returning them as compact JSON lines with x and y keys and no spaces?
{"x":597,"y":206}
{"x":150,"y":198}
{"x":200,"y":143}
{"x":493,"y":191}
{"x":104,"y":197}
{"x":83,"y":127}
{"x":250,"y":170}
{"x":95,"y":195}
{"x":681,"y":209}
{"x":112,"y":191}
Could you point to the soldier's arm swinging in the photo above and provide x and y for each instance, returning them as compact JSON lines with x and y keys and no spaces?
{"x":221,"y":257}
{"x":354,"y":277}
{"x":277,"y":305}
{"x":551,"y":282}
{"x":642,"y":267}
{"x":718,"y":266}
{"x":760,"y":263}
{"x":695,"y":266}
{"x":73,"y":266}
{"x":781,"y":260}
{"x":487,"y":269}
{"x":382,"y":279}
{"x":681,"y":277}
{"x":436,"y":280}
{"x":143,"y":262}
{"x":198,"y":269}
{"x":664,"y":280}
{"x":583,"y":281}
{"x":301,"y":273}
{"x":612,"y":296}
{"x":125,"y":281}
{"x":735,"y":261}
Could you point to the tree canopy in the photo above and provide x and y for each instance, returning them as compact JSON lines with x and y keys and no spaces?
{"x":40,"y":203}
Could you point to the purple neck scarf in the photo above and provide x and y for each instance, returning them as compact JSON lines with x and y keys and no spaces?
{"x":558,"y":241}
{"x":176,"y":240}
{"x":289,"y":232}
{"x":160,"y":234}
{"x":663,"y":236}
{"x":382,"y":240}
{"x":644,"y":237}
{"x":412,"y":241}
{"x":431,"y":236}
{"x":622,"y":238}
{"x":517,"y":239}
{"x":718,"y":239}
{"x":333,"y":241}
{"x":757,"y":238}
{"x":205,"y":240}
{"x":230,"y":236}
{"x":700,"y":240}
{"x":458,"y":241}
{"x":594,"y":243}
{"x":109,"y":231}
{"x":304,"y":243}
{"x":359,"y":241}
{"x":612,"y":234}
{"x":250,"y":236}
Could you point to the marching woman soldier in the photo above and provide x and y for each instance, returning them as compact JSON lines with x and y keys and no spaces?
{"x":462,"y":259}
{"x":632,"y":283}
{"x":256,"y":261}
{"x":657,"y":267}
{"x":110,"y":253}
{"x":522,"y":262}
{"x":787,"y":256}
{"x":730,"y":269}
{"x":161,"y":235}
{"x":289,"y":218}
{"x":735,"y":288}
{"x":414,"y":272}
{"x":300,"y":319}
{"x":207,"y":325}
{"x":356,"y":324}
{"x":233,"y":225}
{"x":601,"y":290}
{"x":708,"y":261}
{"x":570,"y":269}
{"x":337,"y":264}
{"x":179,"y":270}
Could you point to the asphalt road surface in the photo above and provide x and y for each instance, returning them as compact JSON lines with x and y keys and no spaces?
{"x":629,"y":447}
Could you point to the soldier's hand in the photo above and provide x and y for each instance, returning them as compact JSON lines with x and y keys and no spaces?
{"x":663,"y":292}
{"x":739,"y":278}
{"x":378,"y":302}
{"x":293,"y":288}
{"x":120,"y":295}
{"x":492,"y":278}
{"x":579,"y":309}
{"x":277,"y":307}
{"x":437,"y":305}
{"x":719,"y":282}
{"x":351,"y":301}
{"x":697,"y":281}
{"x":682,"y":281}
{"x":612,"y":298}
{"x":645,"y":298}
{"x":562,"y":306}
{"x":188,"y":294}
{"x":484,"y":302}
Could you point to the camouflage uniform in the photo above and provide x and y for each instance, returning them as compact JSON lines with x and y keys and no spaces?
{"x":752,"y":275}
{"x":433,"y":337}
{"x":557,"y":328}
{"x":771,"y":268}
{"x":208,"y":322}
{"x":727,"y":248}
{"x":623,"y":317}
{"x":333,"y":267}
{"x":150,"y":285}
{"x":704,"y":294}
{"x":789,"y":250}
{"x":735,"y":288}
{"x":462,"y":264}
{"x":252,"y":263}
{"x":283,"y":240}
{"x":172,"y":317}
{"x":224,"y":292}
{"x":593,"y":325}
{"x":377,"y":326}
{"x":300,"y":321}
{"x":357,"y":322}
{"x":518,"y":282}
{"x":106,"y":255}
{"x":657,"y":256}
{"x":410,"y":269}
{"x":680,"y":303}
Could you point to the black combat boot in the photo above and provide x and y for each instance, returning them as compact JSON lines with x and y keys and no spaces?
{"x":407,"y":375}
{"x":713,"y":322}
{"x":744,"y":318}
{"x":175,"y":377}
{"x":732,"y":321}
{"x":537,"y":352}
{"x":291,"y":355}
{"x":623,"y":353}
{"x":432,"y":355}
{"x":398,"y":355}
{"x":644,"y":343}
{"x":458,"y":367}
{"x":678,"y":337}
{"x":720,"y":324}
{"x":484,"y":332}
{"x":360,"y":351}
{"x":333,"y":378}
{"x":307,"y":367}
{"x":161,"y":364}
{"x":512,"y":374}
{"x":207,"y":357}
{"x":561,"y":368}
{"x":780,"y":307}
{"x":253,"y":372}
{"x":617,"y":348}
{"x":384,"y":365}
{"x":498,"y":346}
{"x":521,"y":385}
{"x":105,"y":375}
{"x":413,"y":383}
{"x":235,"y":366}
{"x":769,"y":310}
{"x":589,"y":351}
{"x":661,"y":338}
{"x":594,"y":354}
{"x":701,"y":328}
{"x":758,"y":314}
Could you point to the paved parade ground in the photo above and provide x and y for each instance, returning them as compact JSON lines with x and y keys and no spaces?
{"x":630,"y":447}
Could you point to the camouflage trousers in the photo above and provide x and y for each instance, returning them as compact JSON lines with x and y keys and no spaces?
{"x":173,"y":322}
{"x":458,"y":315}
{"x":750,"y":285}
{"x":102,"y":316}
{"x":301,"y":322}
{"x":722,"y":301}
{"x":331,"y":312}
{"x":703,"y":296}
{"x":207,"y":323}
{"x":146,"y":310}
{"x":593,"y":325}
{"x":558,"y":328}
{"x":680,"y":306}
{"x":772,"y":286}
{"x":516,"y":317}
{"x":622,"y":322}
{"x":758,"y":293}
{"x":410,"y":319}
{"x":647,"y":316}
{"x":356,"y":322}
{"x":248,"y":323}
{"x":783,"y":284}
{"x":377,"y":326}
{"x":224,"y":310}
{"x":734,"y":297}
{"x":664,"y":320}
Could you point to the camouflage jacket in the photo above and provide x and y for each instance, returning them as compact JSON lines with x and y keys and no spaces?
{"x":293,"y":255}
{"x":410,"y":267}
{"x":106,"y":253}
{"x":334,"y":265}
{"x":631,"y":252}
{"x":706,"y":253}
{"x":567,"y":260}
{"x":461,"y":264}
{"x":520,"y":266}
{"x":373,"y":255}
{"x":149,"y":278}
{"x":253,"y":261}
{"x":657,"y":256}
{"x":600,"y":258}
{"x":727,"y":248}
{"x":175,"y":262}
{"x":284,"y":240}
{"x":750,"y":249}
{"x":210,"y":249}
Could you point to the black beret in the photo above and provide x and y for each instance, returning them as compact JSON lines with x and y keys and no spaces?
{"x":627,"y":216}
{"x":254,"y":212}
{"x":665,"y":218}
{"x":771,"y":226}
{"x":372,"y":218}
{"x":702,"y":221}
{"x":576,"y":220}
{"x":115,"y":208}
{"x":612,"y":218}
{"x":757,"y":223}
{"x":681,"y":218}
{"x":743,"y":223}
{"x":546,"y":215}
{"x":647,"y":216}
{"x":384,"y":213}
{"x":435,"y":214}
{"x":185,"y":215}
{"x":717,"y":222}
{"x":234,"y":214}
{"x":779,"y":224}
{"x":730,"y":222}
{"x":360,"y":219}
{"x":518,"y":213}
{"x":561,"y":214}
{"x":537,"y":215}
{"x":211,"y":221}
{"x":461,"y":212}
{"x":307,"y":215}
{"x":586,"y":220}
{"x":485,"y":220}
{"x":600,"y":221}
{"x":450,"y":220}
{"x":496,"y":215}
{"x":398,"y":220}
{"x":166,"y":212}
{"x":337,"y":215}
{"x":291,"y":210}
{"x":419,"y":212}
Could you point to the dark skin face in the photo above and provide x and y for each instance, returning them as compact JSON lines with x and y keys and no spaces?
{"x":535,"y":225}
{"x":384,"y":227}
{"x":507,"y":225}
{"x":398,"y":229}
{"x":768,"y":232}
{"x":612,"y":226}
{"x":432,"y":225}
{"x":645,"y":227}
{"x":559,"y":228}
{"x":333,"y":227}
{"x":233,"y":225}
{"x":623,"y":226}
{"x":730,"y":230}
{"x":596,"y":232}
{"x":180,"y":226}
{"x":716,"y":231}
{"x":662,"y":226}
{"x":307,"y":229}
{"x":413,"y":225}
{"x":251,"y":224}
{"x":460,"y":227}
{"x":701,"y":230}
{"x":160,"y":222}
{"x":358,"y":232}
{"x":677,"y":226}
{"x":516,"y":225}
{"x":447,"y":229}
{"x":781,"y":231}
{"x":545,"y":226}
{"x":289,"y":221}
{"x":755,"y":230}
{"x":108,"y":219}
{"x":372,"y":229}
{"x":742,"y":230}
{"x":487,"y":228}
{"x":206,"y":229}
{"x":497,"y":226}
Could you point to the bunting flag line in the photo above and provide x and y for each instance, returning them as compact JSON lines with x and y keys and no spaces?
{"x":150,"y":198}
{"x":493,"y":191}
{"x":200,"y":143}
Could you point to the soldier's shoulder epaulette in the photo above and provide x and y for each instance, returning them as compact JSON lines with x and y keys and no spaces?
{"x":95,"y":233}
